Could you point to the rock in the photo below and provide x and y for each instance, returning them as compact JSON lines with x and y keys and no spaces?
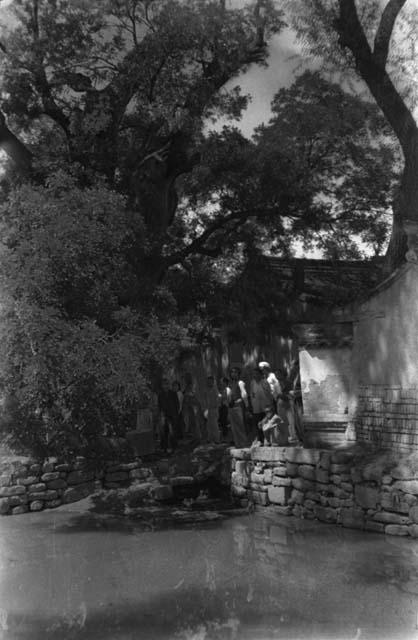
{"x":297,"y":511}
{"x":370,"y":525}
{"x":79,"y":463}
{"x":342,"y":457}
{"x":313,"y":495}
{"x":352,"y":518}
{"x":5,"y":480}
{"x":356,"y":475}
{"x":387,"y":479}
{"x":268,"y":476}
{"x":396,"y":530}
{"x":280,"y":471}
{"x":339,"y":468}
{"x":4,"y":505}
{"x":241,"y":454}
{"x":43,"y":495}
{"x":324,"y":461}
{"x":38,"y":486}
{"x":238,"y":479}
{"x":296,"y":497}
{"x":303,"y":485}
{"x":336,"y":479}
{"x":15,"y":501}
{"x":16,"y":490}
{"x":309,"y":504}
{"x":62,"y":467}
{"x":243,"y":467}
{"x":57,"y":484}
{"x":394,"y":502}
{"x":36,"y":505}
{"x":402,"y":472}
{"x":322,"y":475}
{"x":292,"y":469}
{"x":118,"y":477}
{"x":53,"y":475}
{"x":35,"y":469}
{"x":302,"y":456}
{"x":140,"y":474}
{"x":20,"y":472}
{"x":268,"y":454}
{"x":279,"y":495}
{"x":413,"y":530}
{"x":366,"y":496}
{"x":49,"y":465}
{"x":283,"y":511}
{"x":136,"y":493}
{"x":259,"y":497}
{"x":334,"y":502}
{"x":177,"y":481}
{"x":53,"y":504}
{"x":282,"y":482}
{"x":238,"y":492}
{"x":307,"y":472}
{"x":346,"y":486}
{"x":25,"y":482}
{"x":413,"y":514}
{"x":73,"y":494}
{"x":80,"y":477}
{"x":348,"y":502}
{"x":20,"y":509}
{"x":407,"y":486}
{"x":257,"y":478}
{"x":255,"y":486}
{"x":123,"y":466}
{"x":325,"y":514}
{"x":391,"y":518}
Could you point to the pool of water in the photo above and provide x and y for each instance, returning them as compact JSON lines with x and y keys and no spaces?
{"x":68,"y":574}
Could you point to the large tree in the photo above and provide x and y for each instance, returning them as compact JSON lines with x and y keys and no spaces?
{"x":377,"y":41}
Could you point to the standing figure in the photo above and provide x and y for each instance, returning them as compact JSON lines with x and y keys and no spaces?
{"x":168,"y":405}
{"x":260,"y":397}
{"x":192,"y":412}
{"x":295,"y":402}
{"x":224,"y":391}
{"x":180,"y":423}
{"x":271,"y":379}
{"x":210,"y":408}
{"x":238,"y":402}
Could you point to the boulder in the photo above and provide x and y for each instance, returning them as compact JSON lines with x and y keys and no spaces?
{"x":396,"y":530}
{"x":53,"y":475}
{"x":268,"y":454}
{"x":302,"y":456}
{"x":390,"y":518}
{"x":366,"y":496}
{"x":307,"y":472}
{"x":20,"y":509}
{"x":36,"y":505}
{"x":407,"y":486}
{"x":279,"y":495}
{"x":16,"y":490}
{"x":282,"y":482}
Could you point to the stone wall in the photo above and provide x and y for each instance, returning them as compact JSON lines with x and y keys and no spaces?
{"x":27,"y":484}
{"x":341,"y":487}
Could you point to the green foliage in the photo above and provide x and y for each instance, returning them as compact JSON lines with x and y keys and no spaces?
{"x":76,"y":361}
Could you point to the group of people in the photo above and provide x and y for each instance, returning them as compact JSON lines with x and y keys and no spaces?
{"x":267,"y":413}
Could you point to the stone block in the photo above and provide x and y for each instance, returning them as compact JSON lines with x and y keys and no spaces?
{"x":23,"y":508}
{"x":413,"y":514}
{"x":325,"y":460}
{"x":139,"y":474}
{"x":292,"y":469}
{"x":312,"y":495}
{"x":394,"y":502}
{"x":335,"y":479}
{"x":386,"y":479}
{"x":117,"y":476}
{"x":25,"y":482}
{"x":80,"y":476}
{"x":20,"y":472}
{"x":307,"y":472}
{"x":238,"y":479}
{"x":322,"y":475}
{"x":309,"y":504}
{"x":347,"y":487}
{"x":240,"y":454}
{"x":4,"y":505}
{"x":47,"y":477}
{"x":390,"y":518}
{"x":413,"y":530}
{"x":79,"y":463}
{"x":366,"y":496}
{"x":283,"y":511}
{"x":348,"y":502}
{"x":402,"y":472}
{"x":297,"y":511}
{"x":43,"y":495}
{"x":178,"y":481}
{"x":16,"y":501}
{"x":36,"y":505}
{"x":371,"y":525}
{"x":259,"y":497}
{"x":162,"y":492}
{"x":334,"y":502}
{"x":243,"y":467}
{"x":238,"y":492}
{"x":16,"y":490}
{"x":296,"y":497}
{"x":63,"y":466}
{"x":35,"y":469}
{"x":49,"y":465}
{"x":38,"y":486}
{"x":53,"y":504}
{"x":302,"y":456}
{"x":352,"y":518}
{"x":279,"y":495}
{"x":407,"y":486}
{"x":325,"y":514}
{"x":356,"y":475}
{"x":57,"y":484}
{"x":268,"y":476}
{"x":257,"y":478}
{"x":303,"y":485}
{"x":73,"y":494}
{"x":282,"y":482}
{"x":396,"y":530}
{"x":269,"y":454}
{"x":340,"y":468}
{"x":280,"y":471}
{"x":342,"y":457}
{"x":5,"y":480}
{"x":255,"y":486}
{"x":123,"y":466}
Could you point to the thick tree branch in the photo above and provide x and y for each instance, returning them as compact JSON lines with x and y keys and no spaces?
{"x":15,"y":149}
{"x":384,"y":31}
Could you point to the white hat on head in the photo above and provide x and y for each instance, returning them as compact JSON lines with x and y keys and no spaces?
{"x":264,"y":365}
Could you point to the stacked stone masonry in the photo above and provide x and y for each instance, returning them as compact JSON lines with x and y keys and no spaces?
{"x":388,"y":417}
{"x":31,"y":485}
{"x":332,"y":487}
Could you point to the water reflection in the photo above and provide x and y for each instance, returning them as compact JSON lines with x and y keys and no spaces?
{"x":259,"y":576}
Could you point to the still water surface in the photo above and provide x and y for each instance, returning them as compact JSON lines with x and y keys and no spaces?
{"x":66,"y":574}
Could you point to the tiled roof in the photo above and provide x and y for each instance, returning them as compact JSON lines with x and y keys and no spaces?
{"x":326,"y":282}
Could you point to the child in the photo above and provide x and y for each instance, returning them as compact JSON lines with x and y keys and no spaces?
{"x":270,"y":426}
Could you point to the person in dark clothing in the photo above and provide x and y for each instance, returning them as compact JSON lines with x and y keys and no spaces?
{"x":168,"y":404}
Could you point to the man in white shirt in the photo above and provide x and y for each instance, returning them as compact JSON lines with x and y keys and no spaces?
{"x":271,"y":379}
{"x":260,"y":397}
